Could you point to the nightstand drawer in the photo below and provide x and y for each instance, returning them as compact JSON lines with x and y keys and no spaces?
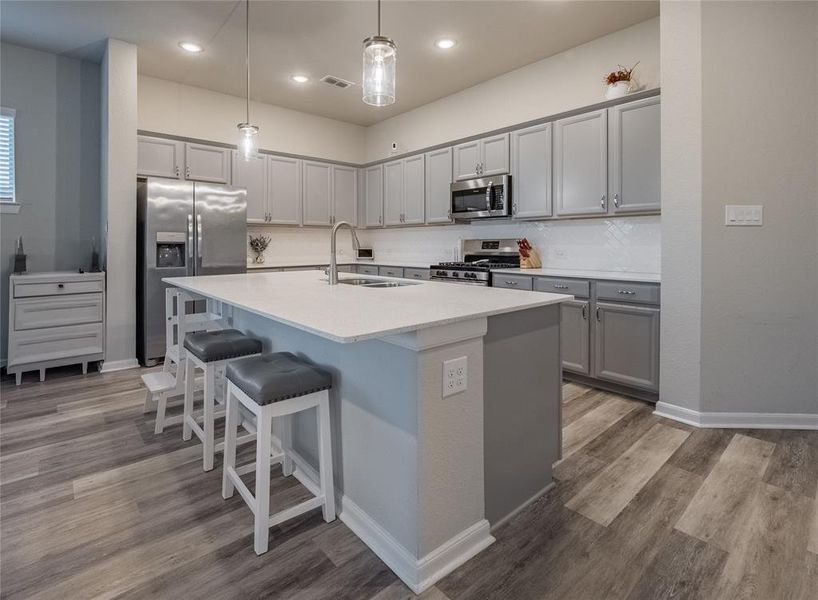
{"x":76,"y":309}
{"x":56,"y":288}
{"x":41,"y":345}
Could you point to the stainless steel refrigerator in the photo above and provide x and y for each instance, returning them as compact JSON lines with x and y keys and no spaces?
{"x":184,"y":228}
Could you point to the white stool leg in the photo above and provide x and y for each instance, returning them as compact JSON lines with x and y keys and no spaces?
{"x":148,"y":402}
{"x":161,"y":406}
{"x":264,"y":425}
{"x":190,"y":379}
{"x":231,"y":427}
{"x":287,"y":444}
{"x":208,"y":424}
{"x":325,"y":457}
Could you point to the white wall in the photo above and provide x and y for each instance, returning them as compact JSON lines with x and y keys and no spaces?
{"x":57,"y":167}
{"x":562,"y":82}
{"x":759,"y":145}
{"x":739,"y":304}
{"x":178,"y":109}
{"x":118,"y":196}
{"x":681,"y":203}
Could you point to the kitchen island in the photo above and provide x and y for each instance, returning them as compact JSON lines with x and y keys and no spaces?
{"x":422,"y":470}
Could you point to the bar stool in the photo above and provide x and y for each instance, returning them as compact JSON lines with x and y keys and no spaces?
{"x":210,"y":351}
{"x":270,"y":386}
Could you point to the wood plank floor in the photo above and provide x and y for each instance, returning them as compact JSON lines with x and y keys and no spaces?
{"x":93,"y":505}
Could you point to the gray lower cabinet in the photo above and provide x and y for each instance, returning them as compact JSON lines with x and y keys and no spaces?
{"x":367,"y":269}
{"x":626,"y":345}
{"x":422,"y":274}
{"x":390,"y":271}
{"x":575,"y":336}
{"x":514,"y":282}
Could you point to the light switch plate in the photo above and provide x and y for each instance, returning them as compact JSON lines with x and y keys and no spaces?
{"x":743,"y":215}
{"x":455,"y":376}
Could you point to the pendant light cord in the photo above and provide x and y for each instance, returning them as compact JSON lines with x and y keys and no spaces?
{"x":379,"y":18}
{"x":247,"y":54}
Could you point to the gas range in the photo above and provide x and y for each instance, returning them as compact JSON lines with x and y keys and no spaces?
{"x":480,"y":257}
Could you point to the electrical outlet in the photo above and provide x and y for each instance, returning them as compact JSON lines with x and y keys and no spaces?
{"x":455,"y":376}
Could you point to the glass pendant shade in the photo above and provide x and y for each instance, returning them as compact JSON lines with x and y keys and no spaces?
{"x":247,"y":140}
{"x":380,"y":56}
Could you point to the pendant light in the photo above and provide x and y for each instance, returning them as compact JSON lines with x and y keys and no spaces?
{"x":380,"y":55}
{"x":247,"y":131}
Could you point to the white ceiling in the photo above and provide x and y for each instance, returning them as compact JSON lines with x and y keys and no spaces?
{"x":320,"y":38}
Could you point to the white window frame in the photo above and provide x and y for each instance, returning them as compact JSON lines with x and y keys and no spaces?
{"x":11,"y":206}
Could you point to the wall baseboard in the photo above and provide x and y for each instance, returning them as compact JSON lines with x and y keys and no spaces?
{"x":109,"y":366}
{"x":737,"y":420}
{"x":418,"y":574}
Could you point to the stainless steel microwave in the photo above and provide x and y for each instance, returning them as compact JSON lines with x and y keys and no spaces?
{"x":481,"y":198}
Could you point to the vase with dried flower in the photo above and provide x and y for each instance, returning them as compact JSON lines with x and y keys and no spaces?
{"x":618,"y":83}
{"x":258,"y":244}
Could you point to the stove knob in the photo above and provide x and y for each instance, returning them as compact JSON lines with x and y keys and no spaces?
{"x":455,"y":274}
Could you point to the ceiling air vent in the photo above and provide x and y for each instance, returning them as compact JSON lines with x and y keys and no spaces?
{"x":337,"y":81}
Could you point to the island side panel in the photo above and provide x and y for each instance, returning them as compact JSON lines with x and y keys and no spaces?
{"x":374,"y":421}
{"x":522,"y":404}
{"x":450,"y":444}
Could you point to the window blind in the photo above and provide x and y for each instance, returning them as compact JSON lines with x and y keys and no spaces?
{"x":6,"y":156}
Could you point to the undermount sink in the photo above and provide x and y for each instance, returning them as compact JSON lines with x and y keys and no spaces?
{"x":375,"y":283}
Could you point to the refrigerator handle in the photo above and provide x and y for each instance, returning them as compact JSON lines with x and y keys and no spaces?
{"x":199,"y":238}
{"x":190,"y":236}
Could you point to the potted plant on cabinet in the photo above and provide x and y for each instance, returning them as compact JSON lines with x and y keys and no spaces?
{"x":618,"y":83}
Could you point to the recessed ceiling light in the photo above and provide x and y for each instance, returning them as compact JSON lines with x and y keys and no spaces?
{"x":446,"y":43}
{"x":191,"y":47}
{"x":299,"y":78}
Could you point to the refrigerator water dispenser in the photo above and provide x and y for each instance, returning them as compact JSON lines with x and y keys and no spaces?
{"x":170,"y":249}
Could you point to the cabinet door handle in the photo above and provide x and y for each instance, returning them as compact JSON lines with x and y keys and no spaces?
{"x":187,"y":171}
{"x":584,"y":312}
{"x":559,"y":286}
{"x":626,"y":292}
{"x":177,"y":172}
{"x":61,"y":285}
{"x":597,"y":313}
{"x":616,"y":200}
{"x":602,"y":202}
{"x":380,"y":220}
{"x":511,"y":283}
{"x":449,"y":214}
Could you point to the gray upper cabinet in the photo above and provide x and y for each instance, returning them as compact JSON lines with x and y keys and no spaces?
{"x":316,"y":192}
{"x":252,"y":176}
{"x":344,"y":194}
{"x":373,"y":196}
{"x":438,"y":186}
{"x":283,"y":190}
{"x":466,"y":160}
{"x":531,"y":172}
{"x":494,"y":155}
{"x":633,"y":156}
{"x":486,"y":156}
{"x":158,"y":157}
{"x":580,"y":164}
{"x":575,"y":336}
{"x":393,"y":193}
{"x":207,"y":163}
{"x":414,"y":190}
{"x":627,"y":345}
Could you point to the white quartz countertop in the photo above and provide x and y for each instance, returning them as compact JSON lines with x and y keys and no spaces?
{"x":349,"y":313}
{"x":586,"y":274}
{"x":285,"y":264}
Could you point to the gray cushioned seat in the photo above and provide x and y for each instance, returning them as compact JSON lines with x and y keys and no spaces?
{"x":278,"y":376}
{"x":221,"y":344}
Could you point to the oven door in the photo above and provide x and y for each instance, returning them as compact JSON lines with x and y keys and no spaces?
{"x":481,"y":198}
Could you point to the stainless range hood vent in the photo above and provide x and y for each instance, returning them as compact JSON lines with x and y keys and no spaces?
{"x":337,"y":82}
